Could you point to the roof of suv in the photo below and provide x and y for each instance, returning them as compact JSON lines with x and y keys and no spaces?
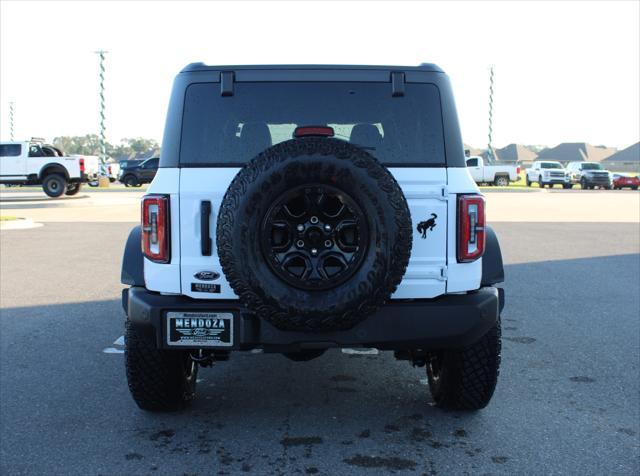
{"x":424,"y":67}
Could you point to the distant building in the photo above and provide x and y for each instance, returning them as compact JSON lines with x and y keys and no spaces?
{"x":469,"y":150}
{"x":625,"y":160}
{"x":576,"y":152}
{"x":516,"y":153}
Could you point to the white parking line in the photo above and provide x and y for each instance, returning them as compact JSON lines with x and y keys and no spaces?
{"x":114,"y":350}
{"x":360,"y":351}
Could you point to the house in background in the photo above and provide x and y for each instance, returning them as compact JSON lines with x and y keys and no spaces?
{"x":625,"y":160}
{"x":576,"y":152}
{"x":516,"y":154}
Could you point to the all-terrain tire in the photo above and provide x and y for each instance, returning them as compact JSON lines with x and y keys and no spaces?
{"x":73,"y":189}
{"x":465,"y":379}
{"x":159,"y":380}
{"x":314,"y":161}
{"x":54,"y":185}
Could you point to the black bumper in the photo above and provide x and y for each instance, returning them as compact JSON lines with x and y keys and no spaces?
{"x":445,"y":322}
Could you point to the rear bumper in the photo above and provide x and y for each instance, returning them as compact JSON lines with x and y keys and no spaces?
{"x":445,"y":322}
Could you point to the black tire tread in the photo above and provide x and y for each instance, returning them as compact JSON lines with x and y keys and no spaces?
{"x":471,"y":373}
{"x":382,"y":281}
{"x":155,"y":377}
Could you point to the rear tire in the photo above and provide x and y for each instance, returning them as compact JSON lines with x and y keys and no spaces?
{"x":635,"y":187}
{"x":501,"y":181}
{"x":73,"y":189}
{"x":528,"y":181}
{"x":130,"y":181}
{"x":54,"y":185}
{"x":159,"y":380}
{"x":583,"y":184}
{"x":465,"y":379}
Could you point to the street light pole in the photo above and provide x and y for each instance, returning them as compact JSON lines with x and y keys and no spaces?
{"x":490,"y":154}
{"x":11,"y":106}
{"x":103,"y":145}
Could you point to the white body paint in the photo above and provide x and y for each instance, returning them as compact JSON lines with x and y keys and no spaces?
{"x":433,"y":269}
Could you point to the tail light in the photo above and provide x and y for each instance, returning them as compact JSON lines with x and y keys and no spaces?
{"x":155,"y":228}
{"x":81,"y":161}
{"x":471,"y":228}
{"x":518,"y":171}
{"x":109,"y":170}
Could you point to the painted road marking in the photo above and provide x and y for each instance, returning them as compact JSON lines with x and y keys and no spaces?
{"x":114,"y":350}
{"x":363,"y":351}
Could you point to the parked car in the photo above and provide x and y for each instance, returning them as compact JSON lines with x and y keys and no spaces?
{"x":139,"y":174}
{"x":589,"y":175}
{"x":621,"y":181}
{"x":129,"y":163}
{"x":289,"y":239}
{"x":547,"y":172}
{"x":37,"y":163}
{"x":500,"y":175}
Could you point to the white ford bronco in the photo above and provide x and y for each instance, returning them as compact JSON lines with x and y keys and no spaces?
{"x":302,"y":208}
{"x":36,"y":163}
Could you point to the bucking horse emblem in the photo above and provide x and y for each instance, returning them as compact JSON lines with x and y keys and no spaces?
{"x":427,"y":225}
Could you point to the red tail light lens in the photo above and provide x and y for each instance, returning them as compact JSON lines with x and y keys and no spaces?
{"x":471,"y":228}
{"x":81,"y":162}
{"x":322,"y":131}
{"x":518,"y":171}
{"x":155,"y":228}
{"x":109,"y":170}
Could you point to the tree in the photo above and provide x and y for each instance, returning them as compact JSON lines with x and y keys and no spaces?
{"x":88,"y":144}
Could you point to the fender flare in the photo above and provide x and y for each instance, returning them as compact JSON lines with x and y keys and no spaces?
{"x":53,"y":167}
{"x":132,"y":272}
{"x":492,"y":267}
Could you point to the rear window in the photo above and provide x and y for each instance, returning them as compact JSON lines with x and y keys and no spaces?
{"x":10,"y":150}
{"x":221,"y":131}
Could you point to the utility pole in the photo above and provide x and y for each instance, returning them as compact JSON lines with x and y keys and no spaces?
{"x":11,"y":108}
{"x":490,"y":153}
{"x":103,"y":145}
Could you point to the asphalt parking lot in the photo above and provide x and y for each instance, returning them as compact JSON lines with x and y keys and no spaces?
{"x":567,"y":402}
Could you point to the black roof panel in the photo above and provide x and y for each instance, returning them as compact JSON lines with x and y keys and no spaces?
{"x":424,"y":67}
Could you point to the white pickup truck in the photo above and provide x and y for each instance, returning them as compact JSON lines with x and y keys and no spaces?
{"x":36,"y":163}
{"x":500,"y":175}
{"x":548,"y":172}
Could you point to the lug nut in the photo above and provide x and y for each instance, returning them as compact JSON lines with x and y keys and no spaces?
{"x":328,"y":244}
{"x":314,"y":251}
{"x":300,"y":244}
{"x":314,"y":220}
{"x":301,"y":227}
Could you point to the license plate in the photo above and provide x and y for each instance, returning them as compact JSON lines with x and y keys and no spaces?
{"x":200,"y":329}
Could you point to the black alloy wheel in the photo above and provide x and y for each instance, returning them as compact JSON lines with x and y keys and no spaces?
{"x":314,"y":237}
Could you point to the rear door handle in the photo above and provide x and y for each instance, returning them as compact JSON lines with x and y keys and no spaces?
{"x":205,"y":237}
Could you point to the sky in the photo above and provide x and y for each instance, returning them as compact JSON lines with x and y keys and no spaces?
{"x":564,"y":71}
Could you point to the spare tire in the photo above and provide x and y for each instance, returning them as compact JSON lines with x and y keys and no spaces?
{"x":314,"y":234}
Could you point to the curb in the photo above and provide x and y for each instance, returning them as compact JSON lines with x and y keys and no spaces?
{"x":19,"y":224}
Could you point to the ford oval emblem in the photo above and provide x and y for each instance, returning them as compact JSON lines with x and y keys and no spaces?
{"x":207,"y":275}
